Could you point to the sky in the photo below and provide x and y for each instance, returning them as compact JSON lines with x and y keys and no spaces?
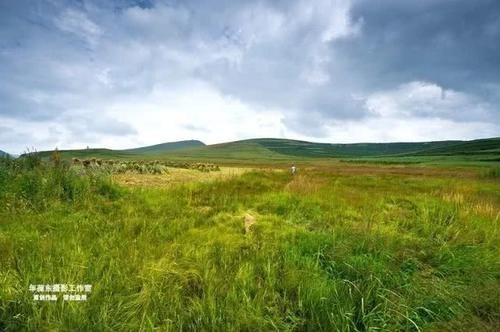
{"x":129,"y":73}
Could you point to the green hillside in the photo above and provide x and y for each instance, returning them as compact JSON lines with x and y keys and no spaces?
{"x":92,"y":153}
{"x":476,"y":147}
{"x":3,"y":154}
{"x":165,"y":147}
{"x":280,"y":149}
{"x":234,"y":151}
{"x":484,"y":152}
{"x":285,"y":150}
{"x":310,"y":149}
{"x":135,"y":153}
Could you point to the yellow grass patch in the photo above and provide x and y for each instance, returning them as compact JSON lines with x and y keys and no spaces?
{"x":485,"y":208}
{"x":177,"y":176}
{"x":453,"y":197}
{"x":304,"y":184}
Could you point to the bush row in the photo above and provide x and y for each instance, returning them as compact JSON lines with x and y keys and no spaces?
{"x":140,"y":166}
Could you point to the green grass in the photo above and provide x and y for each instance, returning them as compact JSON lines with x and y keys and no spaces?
{"x":473,"y":160}
{"x":328,"y":251}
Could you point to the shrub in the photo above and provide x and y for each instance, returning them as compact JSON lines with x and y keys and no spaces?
{"x":29,"y":183}
{"x":55,"y":158}
{"x":105,"y":187}
{"x":30,"y":159}
{"x":28,"y":187}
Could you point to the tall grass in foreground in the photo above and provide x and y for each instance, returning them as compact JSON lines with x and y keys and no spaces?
{"x":327,"y":252}
{"x":28,"y":184}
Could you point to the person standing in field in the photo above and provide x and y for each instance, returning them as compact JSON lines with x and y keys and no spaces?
{"x":293,"y":169}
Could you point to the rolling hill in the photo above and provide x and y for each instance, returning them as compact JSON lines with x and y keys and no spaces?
{"x":238,"y":151}
{"x":3,"y":154}
{"x":272,"y":149}
{"x":310,"y":149}
{"x":479,"y":146}
{"x":140,"y":152}
{"x":284,"y":150}
{"x":91,"y":153}
{"x":166,"y":147}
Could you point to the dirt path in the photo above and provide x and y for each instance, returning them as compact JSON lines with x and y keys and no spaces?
{"x":249,"y":221}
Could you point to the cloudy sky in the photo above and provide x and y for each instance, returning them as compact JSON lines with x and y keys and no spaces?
{"x":127,"y":73}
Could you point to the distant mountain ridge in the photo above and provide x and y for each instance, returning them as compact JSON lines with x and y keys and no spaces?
{"x":278,"y":149}
{"x":478,"y":146}
{"x":164,"y":147}
{"x":311,"y":149}
{"x":275,"y":149}
{"x":4,"y":154}
{"x":128,"y":153}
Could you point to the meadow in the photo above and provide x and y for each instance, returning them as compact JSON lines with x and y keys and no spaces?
{"x":337,"y":247}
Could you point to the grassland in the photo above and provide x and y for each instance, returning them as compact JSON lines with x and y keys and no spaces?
{"x":337,"y":247}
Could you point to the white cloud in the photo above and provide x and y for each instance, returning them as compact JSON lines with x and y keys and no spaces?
{"x":164,"y":114}
{"x":256,"y":24}
{"x":79,"y":24}
{"x":412,"y":129}
{"x":426,"y":99}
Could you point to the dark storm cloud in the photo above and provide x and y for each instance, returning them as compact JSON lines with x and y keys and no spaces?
{"x":90,"y":126}
{"x":449,"y":42}
{"x":454,"y":44}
